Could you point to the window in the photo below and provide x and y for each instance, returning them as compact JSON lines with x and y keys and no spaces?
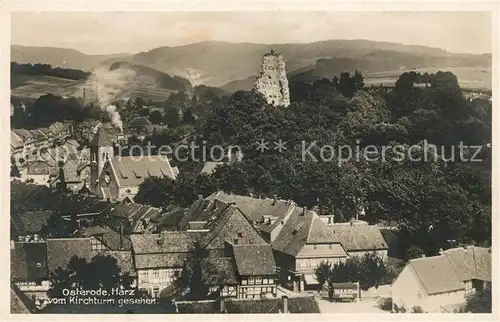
{"x":96,"y":245}
{"x":251,"y":281}
{"x":240,"y":235}
{"x":265,"y":281}
{"x":258,"y":280}
{"x":419,"y":295}
{"x":156,"y":292}
{"x":244,"y":282}
{"x":156,"y":273}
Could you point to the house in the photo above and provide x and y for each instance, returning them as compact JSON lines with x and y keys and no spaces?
{"x":358,"y":238}
{"x":19,"y":302}
{"x":60,"y":251}
{"x":434,"y":283}
{"x":16,"y":145}
{"x":159,"y":258}
{"x":74,"y":175}
{"x":28,"y":224}
{"x":40,"y":172}
{"x":119,"y":177}
{"x":109,"y":239}
{"x":256,"y":271}
{"x":266,"y":214}
{"x":299,"y":238}
{"x":302,"y":244}
{"x":25,"y":136}
{"x":134,"y":218}
{"x":29,"y":269}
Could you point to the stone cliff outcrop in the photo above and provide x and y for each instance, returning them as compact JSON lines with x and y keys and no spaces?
{"x":272,"y":82}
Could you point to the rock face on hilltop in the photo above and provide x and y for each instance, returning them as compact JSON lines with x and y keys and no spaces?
{"x":272,"y":82}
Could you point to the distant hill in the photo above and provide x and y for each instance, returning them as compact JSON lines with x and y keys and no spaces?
{"x":162,"y":80}
{"x":119,"y":80}
{"x":59,"y":57}
{"x":220,"y":64}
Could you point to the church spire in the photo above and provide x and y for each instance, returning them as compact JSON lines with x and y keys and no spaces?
{"x":101,"y":139}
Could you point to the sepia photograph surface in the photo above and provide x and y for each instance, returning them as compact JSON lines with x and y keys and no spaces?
{"x":225,"y":162}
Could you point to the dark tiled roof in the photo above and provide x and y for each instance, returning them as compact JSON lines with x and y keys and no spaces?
{"x":295,"y":305}
{"x":202,"y":210}
{"x":254,"y":259}
{"x":436,"y":274}
{"x":359,"y":237}
{"x":144,"y":261}
{"x":471,"y":262}
{"x":138,"y":121}
{"x":30,"y":222}
{"x":448,"y":271}
{"x":302,"y":229}
{"x":165,"y":242}
{"x":29,"y":261}
{"x":255,"y":208}
{"x":108,"y":237}
{"x":101,"y":139}
{"x":221,"y":271}
{"x":131,"y":172}
{"x":19,"y":302}
{"x":231,"y":225}
{"x":61,"y":250}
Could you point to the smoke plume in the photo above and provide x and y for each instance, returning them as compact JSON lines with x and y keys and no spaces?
{"x":109,"y":86}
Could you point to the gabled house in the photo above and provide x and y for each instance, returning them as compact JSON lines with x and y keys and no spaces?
{"x":230,"y":226}
{"x":159,"y":258}
{"x":29,"y":269}
{"x":302,"y":244}
{"x":119,"y":177}
{"x":434,"y":283}
{"x":358,"y":238}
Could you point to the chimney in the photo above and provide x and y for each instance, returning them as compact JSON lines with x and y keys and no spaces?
{"x":200,"y":197}
{"x":285,"y":303}
{"x":251,"y":195}
{"x":35,"y":237}
{"x":440,"y":251}
{"x":12,"y":245}
{"x":304,"y":210}
{"x":20,"y":238}
{"x":274,"y":201}
{"x":331,"y":219}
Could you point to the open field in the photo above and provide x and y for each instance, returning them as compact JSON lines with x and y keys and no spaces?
{"x":36,"y":86}
{"x":468,"y":77}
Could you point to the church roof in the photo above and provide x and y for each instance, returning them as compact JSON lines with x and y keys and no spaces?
{"x":101,"y":139}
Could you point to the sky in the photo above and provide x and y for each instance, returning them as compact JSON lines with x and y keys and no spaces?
{"x":133,"y":32}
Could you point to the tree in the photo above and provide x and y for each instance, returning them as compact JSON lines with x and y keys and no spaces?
{"x":102,"y":272}
{"x":198,"y":275}
{"x":172,"y":117}
{"x":188,"y":117}
{"x":322,"y":272}
{"x":480,"y":302}
{"x":144,"y":111}
{"x":414,"y":252}
{"x":14,"y":170}
{"x":156,"y":117}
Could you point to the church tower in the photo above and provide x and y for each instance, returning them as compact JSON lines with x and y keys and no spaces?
{"x":101,"y":150}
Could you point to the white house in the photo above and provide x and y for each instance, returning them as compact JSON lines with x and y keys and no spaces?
{"x":433,"y":283}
